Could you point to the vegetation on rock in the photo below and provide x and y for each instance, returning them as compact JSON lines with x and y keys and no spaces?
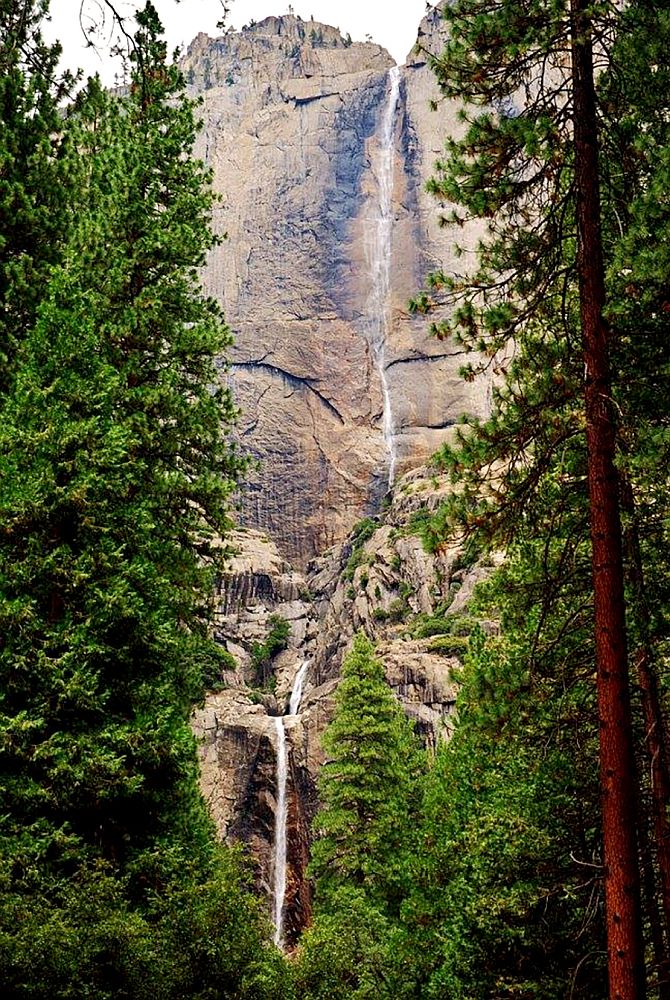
{"x":263,"y":653}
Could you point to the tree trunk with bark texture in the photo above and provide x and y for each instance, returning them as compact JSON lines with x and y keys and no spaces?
{"x":617,"y":764}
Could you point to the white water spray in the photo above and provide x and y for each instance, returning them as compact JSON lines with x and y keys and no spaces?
{"x":378,"y":247}
{"x":298,"y":684}
{"x":281,"y":813}
{"x":281,"y":816}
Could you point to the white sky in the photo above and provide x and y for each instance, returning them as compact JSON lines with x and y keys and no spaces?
{"x":392,"y":23}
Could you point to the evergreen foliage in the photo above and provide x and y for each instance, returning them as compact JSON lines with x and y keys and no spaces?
{"x":263,"y":653}
{"x":361,"y":533}
{"x":365,"y":838}
{"x":373,"y":760}
{"x":116,"y":474}
{"x":477,"y":874}
{"x":507,"y":901}
{"x":521,"y":475}
{"x":350,"y":952}
{"x":33,"y":185}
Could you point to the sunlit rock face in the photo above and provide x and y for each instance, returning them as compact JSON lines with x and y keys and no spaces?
{"x":293,"y":122}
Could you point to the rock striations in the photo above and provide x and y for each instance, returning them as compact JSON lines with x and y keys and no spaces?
{"x":293,"y":121}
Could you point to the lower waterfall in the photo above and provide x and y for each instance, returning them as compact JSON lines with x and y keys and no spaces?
{"x":281,"y":817}
{"x":296,"y":693}
{"x":281,"y":814}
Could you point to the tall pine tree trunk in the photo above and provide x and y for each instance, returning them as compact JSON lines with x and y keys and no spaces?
{"x":617,"y":764}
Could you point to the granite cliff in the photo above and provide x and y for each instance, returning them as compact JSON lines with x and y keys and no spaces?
{"x":304,"y":132}
{"x":320,"y":150}
{"x":379,"y":580}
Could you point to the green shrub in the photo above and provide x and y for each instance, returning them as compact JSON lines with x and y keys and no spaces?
{"x":427,"y":625}
{"x":441,"y":623}
{"x":449,"y":645}
{"x":362,"y":531}
{"x":218,"y":660}
{"x":263,"y":653}
{"x":356,"y":558}
{"x":398,"y":610}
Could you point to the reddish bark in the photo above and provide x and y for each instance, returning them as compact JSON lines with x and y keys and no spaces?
{"x":617,"y":764}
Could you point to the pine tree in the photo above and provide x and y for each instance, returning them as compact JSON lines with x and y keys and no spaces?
{"x":528,"y":165}
{"x":505,"y":902}
{"x":635,"y":97}
{"x":362,"y":858}
{"x":365,"y":785}
{"x":117,"y":470}
{"x":33,"y":185}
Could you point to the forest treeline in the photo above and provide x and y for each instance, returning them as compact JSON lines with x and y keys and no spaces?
{"x":530,"y":856}
{"x":116,"y":473}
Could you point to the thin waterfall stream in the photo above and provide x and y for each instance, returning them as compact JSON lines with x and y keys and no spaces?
{"x":281,"y":813}
{"x":378,"y":248}
{"x":379,"y":251}
{"x":281,"y":816}
{"x":298,"y":684}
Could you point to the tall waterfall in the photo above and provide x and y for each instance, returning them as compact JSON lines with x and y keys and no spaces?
{"x":281,"y":817}
{"x":378,"y":248}
{"x":281,"y":814}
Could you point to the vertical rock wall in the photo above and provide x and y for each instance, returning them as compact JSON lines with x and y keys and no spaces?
{"x":291,"y":115}
{"x":383,"y":591}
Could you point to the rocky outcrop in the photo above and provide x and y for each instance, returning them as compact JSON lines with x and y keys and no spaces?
{"x":292,"y":116}
{"x":238,"y":758}
{"x":236,"y":727}
{"x":382,"y":581}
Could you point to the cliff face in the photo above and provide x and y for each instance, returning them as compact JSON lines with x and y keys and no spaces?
{"x":379,"y":580}
{"x":304,"y":133}
{"x":321,"y":150}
